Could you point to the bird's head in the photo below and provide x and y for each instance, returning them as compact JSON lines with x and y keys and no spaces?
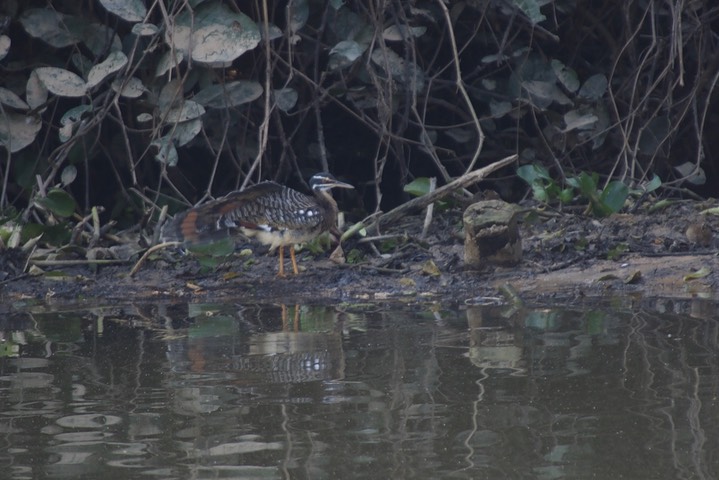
{"x":324,"y":181}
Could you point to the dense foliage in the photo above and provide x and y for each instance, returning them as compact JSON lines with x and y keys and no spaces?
{"x":132,"y":104}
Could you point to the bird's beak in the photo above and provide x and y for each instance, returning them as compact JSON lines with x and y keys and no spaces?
{"x":338,"y":184}
{"x":332,"y":183}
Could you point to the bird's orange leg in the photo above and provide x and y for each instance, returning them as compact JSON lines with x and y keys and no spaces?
{"x":294,"y":261}
{"x":282,"y":262}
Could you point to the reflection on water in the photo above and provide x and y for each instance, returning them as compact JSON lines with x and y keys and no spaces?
{"x":241,"y":391}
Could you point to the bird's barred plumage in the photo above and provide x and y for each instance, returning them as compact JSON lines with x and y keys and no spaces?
{"x":271,"y":213}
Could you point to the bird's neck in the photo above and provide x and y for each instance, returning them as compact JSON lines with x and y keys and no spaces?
{"x":328,"y":205}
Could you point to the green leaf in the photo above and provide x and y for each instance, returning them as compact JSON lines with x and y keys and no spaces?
{"x":208,"y":263}
{"x":129,"y":10}
{"x":74,"y":115}
{"x":579,"y":120}
{"x":186,"y":131}
{"x":9,"y":348}
{"x":24,"y":172}
{"x":587,"y":185}
{"x":128,"y":87}
{"x":220,"y":248}
{"x":532,"y":173}
{"x":82,"y":64}
{"x":540,"y":193}
{"x":710,"y":211}
{"x":113,"y":63}
{"x":701,"y":273}
{"x":553,"y":190}
{"x":53,"y":235}
{"x":614,"y":196}
{"x":692,"y":173}
{"x":211,"y":255}
{"x":68,"y":175}
{"x":399,"y":33}
{"x":661,"y":205}
{"x":594,"y":88}
{"x":344,"y":53}
{"x":418,"y":187}
{"x":18,"y":131}
{"x":11,"y":99}
{"x":5,"y":43}
{"x":543,"y":93}
{"x":167,"y":61}
{"x":48,"y":26}
{"x":145,"y":29}
{"x":166,"y":151}
{"x":231,"y":94}
{"x":566,"y":75}
{"x":35,"y":91}
{"x":599,"y":209}
{"x":70,"y":120}
{"x":531,"y":10}
{"x":299,"y":12}
{"x":213,"y":33}
{"x":98,"y":38}
{"x":57,"y":235}
{"x":566,"y":195}
{"x":286,"y":98}
{"x":354,"y":256}
{"x":61,"y":82}
{"x":186,"y":110}
{"x":617,"y":251}
{"x":653,"y":184}
{"x":58,"y":202}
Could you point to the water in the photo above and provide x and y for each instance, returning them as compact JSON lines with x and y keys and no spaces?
{"x":360,"y":391}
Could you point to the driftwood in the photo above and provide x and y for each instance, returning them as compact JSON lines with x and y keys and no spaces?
{"x":491,"y":234}
{"x":425,"y":200}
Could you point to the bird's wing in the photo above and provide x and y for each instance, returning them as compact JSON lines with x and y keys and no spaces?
{"x":272,"y":207}
{"x":265,"y":206}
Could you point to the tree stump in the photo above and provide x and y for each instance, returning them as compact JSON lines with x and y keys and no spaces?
{"x":491,"y":235}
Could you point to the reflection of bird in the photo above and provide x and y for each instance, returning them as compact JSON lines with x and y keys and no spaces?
{"x":273,"y":214}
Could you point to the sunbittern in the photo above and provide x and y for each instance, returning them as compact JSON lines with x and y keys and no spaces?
{"x":273,"y":214}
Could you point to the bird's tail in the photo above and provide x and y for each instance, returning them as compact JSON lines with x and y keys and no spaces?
{"x":191,"y":227}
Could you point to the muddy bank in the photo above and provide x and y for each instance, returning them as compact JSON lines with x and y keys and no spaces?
{"x":566,"y":258}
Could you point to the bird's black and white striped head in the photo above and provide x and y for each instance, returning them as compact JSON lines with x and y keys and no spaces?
{"x":324,"y":181}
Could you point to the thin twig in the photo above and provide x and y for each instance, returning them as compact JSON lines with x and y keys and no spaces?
{"x":158,"y":226}
{"x":66,"y":263}
{"x":430,"y":209}
{"x":461,"y":182}
{"x":374,"y":268}
{"x":95,"y":227}
{"x":77,"y":229}
{"x":265,"y":126}
{"x":460,"y":86}
{"x":12,"y":279}
{"x":149,"y":252}
{"x":381,"y":238}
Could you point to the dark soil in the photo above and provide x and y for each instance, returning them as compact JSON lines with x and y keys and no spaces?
{"x":567,"y":258}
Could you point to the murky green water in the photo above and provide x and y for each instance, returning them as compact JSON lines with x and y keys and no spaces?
{"x":240,"y":391}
